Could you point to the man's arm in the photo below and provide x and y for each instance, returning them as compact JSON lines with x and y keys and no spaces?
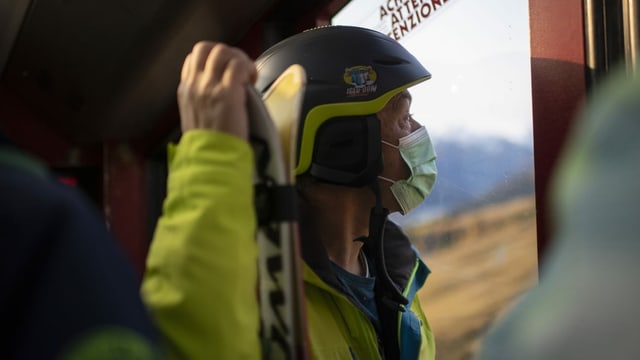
{"x":200,"y":282}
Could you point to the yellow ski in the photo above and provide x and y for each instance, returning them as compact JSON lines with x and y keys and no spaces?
{"x":273,"y":133}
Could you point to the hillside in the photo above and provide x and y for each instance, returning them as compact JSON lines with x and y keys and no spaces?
{"x":481,"y":260}
{"x":476,"y":172}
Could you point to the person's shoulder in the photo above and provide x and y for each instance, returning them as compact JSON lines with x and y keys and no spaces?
{"x":24,"y":191}
{"x":394,"y":230}
{"x":34,"y":203}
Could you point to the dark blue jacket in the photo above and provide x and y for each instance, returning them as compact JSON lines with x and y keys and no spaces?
{"x":66,"y":290}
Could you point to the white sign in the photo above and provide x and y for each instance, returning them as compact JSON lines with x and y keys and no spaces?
{"x":403,"y":16}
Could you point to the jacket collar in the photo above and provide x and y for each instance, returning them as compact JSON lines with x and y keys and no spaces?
{"x":400,"y":256}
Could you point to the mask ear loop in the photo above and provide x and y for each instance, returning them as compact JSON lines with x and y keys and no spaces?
{"x":390,"y":144}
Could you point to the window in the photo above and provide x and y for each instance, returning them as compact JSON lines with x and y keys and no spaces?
{"x":477,"y":230}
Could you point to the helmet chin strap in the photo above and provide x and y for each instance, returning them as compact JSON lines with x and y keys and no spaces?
{"x":390,"y":295}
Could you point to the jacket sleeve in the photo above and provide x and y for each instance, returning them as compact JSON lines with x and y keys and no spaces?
{"x":200,"y":281}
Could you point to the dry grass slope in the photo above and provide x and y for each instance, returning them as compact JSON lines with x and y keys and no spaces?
{"x":480,"y":262}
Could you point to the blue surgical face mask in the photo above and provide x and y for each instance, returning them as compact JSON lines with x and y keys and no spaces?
{"x":418,"y":153}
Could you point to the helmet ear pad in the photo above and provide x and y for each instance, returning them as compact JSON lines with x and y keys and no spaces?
{"x":347,"y":151}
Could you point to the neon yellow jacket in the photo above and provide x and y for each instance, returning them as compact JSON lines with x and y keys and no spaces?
{"x":200,"y":283}
{"x":338,"y":329}
{"x":200,"y":280}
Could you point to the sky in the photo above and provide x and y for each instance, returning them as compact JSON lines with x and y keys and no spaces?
{"x":478,"y":53}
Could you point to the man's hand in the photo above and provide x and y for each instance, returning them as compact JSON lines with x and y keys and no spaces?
{"x":212,"y":90}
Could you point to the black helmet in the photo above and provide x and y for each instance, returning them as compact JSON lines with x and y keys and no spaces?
{"x":352,"y":73}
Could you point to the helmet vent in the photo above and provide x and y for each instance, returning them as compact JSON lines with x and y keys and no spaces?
{"x":390,"y":62}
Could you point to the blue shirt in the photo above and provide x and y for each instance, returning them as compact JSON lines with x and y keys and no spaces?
{"x":361,"y":289}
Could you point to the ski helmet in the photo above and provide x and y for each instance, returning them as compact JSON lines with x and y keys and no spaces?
{"x":352,"y":72}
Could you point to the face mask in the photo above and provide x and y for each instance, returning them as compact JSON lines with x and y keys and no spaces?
{"x":418,"y":153}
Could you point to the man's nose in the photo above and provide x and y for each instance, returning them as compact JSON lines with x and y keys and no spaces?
{"x":414,"y":125}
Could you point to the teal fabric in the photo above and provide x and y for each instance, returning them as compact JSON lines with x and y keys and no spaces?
{"x":362,"y":291}
{"x":10,"y":156}
{"x":410,"y":325}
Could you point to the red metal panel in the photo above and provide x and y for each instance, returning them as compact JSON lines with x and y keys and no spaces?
{"x":558,"y":90}
{"x":125,"y":201}
{"x":26,"y":129}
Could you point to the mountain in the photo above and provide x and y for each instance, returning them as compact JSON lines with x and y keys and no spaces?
{"x":475,"y":172}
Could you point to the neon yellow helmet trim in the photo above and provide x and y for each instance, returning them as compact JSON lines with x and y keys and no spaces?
{"x":321,"y":113}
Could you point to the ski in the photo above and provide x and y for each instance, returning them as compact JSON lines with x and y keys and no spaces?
{"x":273,"y":123}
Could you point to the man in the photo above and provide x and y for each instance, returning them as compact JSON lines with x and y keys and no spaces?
{"x":360,"y":154}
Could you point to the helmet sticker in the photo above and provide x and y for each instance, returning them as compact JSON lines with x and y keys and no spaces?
{"x":362,"y":80}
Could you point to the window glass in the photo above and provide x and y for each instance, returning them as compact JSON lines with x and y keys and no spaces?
{"x":477,"y":229}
